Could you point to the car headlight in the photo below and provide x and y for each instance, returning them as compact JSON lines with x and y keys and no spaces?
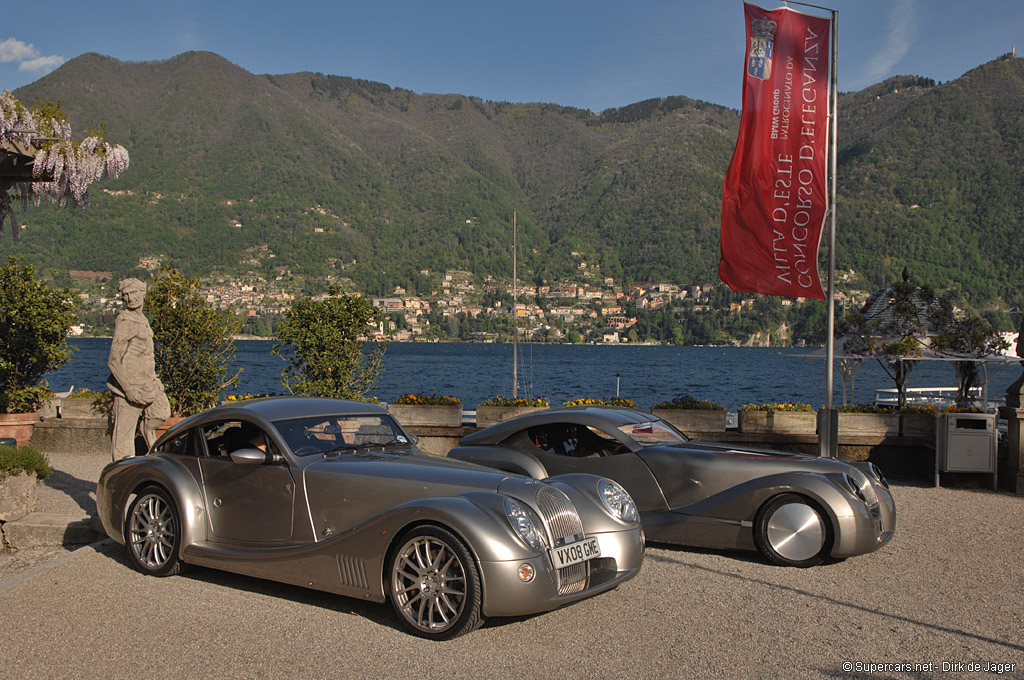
{"x":525,"y":523}
{"x":617,"y":501}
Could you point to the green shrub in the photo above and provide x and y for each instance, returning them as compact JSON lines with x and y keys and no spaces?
{"x":690,"y":403}
{"x":14,"y":460}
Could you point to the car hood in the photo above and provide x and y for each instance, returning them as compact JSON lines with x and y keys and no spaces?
{"x":696,"y":470}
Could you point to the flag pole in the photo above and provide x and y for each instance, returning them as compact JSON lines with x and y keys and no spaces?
{"x":828,"y":434}
{"x":831,"y":446}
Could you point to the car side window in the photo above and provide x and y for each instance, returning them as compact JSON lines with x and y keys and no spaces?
{"x":567,"y":439}
{"x":224,"y":437}
{"x":182,"y":445}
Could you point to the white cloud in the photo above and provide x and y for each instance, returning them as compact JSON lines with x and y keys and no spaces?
{"x":41,"y":65}
{"x":901,"y":30}
{"x":28,"y":57}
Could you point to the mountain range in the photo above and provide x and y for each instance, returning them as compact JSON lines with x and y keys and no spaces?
{"x":335,"y":176}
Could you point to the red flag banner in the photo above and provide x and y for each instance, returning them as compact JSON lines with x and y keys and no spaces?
{"x":775,"y":197}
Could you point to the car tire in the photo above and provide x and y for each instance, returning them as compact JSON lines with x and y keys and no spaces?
{"x":434,"y":584}
{"x":792,"y":531}
{"x":152,"y":532}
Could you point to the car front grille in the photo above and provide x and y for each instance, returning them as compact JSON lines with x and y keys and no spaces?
{"x":564,"y":526}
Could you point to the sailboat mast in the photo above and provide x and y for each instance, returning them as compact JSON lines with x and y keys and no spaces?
{"x":515,"y":313}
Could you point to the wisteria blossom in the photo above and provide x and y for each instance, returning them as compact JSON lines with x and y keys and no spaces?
{"x":62,"y":169}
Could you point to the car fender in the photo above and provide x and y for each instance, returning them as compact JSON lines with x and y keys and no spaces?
{"x":502,"y":458}
{"x":121,"y":480}
{"x":742,"y":502}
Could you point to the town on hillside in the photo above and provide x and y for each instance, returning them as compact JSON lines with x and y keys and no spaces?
{"x":457,"y":305}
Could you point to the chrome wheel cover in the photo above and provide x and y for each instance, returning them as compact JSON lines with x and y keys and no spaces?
{"x":153,"y":532}
{"x":796,"y":532}
{"x":428,"y":581}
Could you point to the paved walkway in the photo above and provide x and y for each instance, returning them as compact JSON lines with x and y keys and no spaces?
{"x":948,"y":590}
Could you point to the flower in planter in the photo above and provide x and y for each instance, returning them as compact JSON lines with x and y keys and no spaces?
{"x":91,"y":394}
{"x":539,"y":402}
{"x":691,"y":404}
{"x":426,"y":400}
{"x":606,"y":401}
{"x":787,"y":406}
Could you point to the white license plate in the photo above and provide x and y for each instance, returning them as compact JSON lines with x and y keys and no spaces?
{"x":574,"y":553}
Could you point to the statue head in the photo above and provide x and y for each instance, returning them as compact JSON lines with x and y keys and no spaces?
{"x":132,"y":292}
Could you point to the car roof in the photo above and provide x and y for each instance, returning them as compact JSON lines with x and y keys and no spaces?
{"x":268,"y":409}
{"x":281,"y":408}
{"x":608,"y":417}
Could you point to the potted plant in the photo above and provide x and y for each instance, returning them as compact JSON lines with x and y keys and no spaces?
{"x":427,"y":409}
{"x":21,"y":470}
{"x":692,"y":415}
{"x":499,"y":409}
{"x":778,"y":418}
{"x":35,"y":318}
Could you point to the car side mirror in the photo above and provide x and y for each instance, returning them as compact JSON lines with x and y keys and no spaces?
{"x":249,"y":457}
{"x":413,"y":439}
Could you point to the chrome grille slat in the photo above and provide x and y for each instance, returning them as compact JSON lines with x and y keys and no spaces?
{"x":559,"y":513}
{"x":563,"y":522}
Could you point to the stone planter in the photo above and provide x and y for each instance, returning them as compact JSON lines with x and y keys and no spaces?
{"x":778,"y":422}
{"x":17,"y":496}
{"x":693,"y":421}
{"x":18,"y":426}
{"x":886,"y":424}
{"x":444,"y":415}
{"x":80,"y":407}
{"x":487,"y":415}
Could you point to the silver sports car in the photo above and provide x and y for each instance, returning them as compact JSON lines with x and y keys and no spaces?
{"x":796,"y":510}
{"x":335,"y":496}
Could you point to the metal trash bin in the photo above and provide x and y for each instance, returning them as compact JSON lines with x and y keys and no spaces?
{"x":966,"y":442}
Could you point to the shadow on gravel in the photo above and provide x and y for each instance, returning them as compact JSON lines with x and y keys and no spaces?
{"x":78,"y":489}
{"x":381,"y":614}
{"x":838,"y":603}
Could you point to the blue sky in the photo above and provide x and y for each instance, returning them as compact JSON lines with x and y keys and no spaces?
{"x":594,"y":55}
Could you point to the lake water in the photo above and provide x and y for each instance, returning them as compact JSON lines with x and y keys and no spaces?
{"x":731,"y":376}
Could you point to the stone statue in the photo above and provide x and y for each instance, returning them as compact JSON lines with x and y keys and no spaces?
{"x":133,"y":381}
{"x":1015,"y":392}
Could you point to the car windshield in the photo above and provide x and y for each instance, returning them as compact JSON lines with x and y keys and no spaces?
{"x":319,"y":434}
{"x":652,"y":432}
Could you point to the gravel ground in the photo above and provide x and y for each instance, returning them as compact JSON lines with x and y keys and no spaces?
{"x":948,"y":590}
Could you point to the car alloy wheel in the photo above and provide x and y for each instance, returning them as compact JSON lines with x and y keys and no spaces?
{"x":790,"y":531}
{"x":435,"y":587}
{"x":153,"y":533}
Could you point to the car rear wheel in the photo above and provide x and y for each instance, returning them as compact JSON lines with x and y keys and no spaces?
{"x":153,"y":533}
{"x":435,"y":587}
{"x":790,"y":531}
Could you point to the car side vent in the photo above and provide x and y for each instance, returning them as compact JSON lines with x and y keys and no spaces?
{"x":352,"y":572}
{"x":564,"y":526}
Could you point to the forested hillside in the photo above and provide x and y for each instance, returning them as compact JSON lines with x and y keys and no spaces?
{"x":334,"y":175}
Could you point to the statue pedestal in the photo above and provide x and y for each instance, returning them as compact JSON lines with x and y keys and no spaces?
{"x":1014,"y":418}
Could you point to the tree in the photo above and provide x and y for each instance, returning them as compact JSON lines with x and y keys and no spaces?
{"x":324,"y":343}
{"x":892,"y":328}
{"x":966,"y":337}
{"x":35,"y":318}
{"x":192,"y":342}
{"x":40,"y":158}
